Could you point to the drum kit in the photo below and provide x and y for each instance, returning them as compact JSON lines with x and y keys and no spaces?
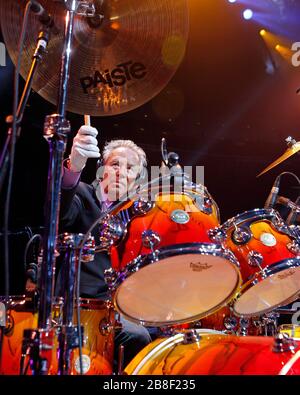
{"x":213,"y":290}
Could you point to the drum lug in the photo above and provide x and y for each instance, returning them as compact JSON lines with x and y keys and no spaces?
{"x":283,"y":343}
{"x":244,"y":326}
{"x":207,"y":206}
{"x":217,"y":235}
{"x":142,"y":206}
{"x":110,"y":276}
{"x":241,"y":235}
{"x":294,"y":247}
{"x":255,"y":258}
{"x":230,"y":323}
{"x":191,"y":336}
{"x":112,"y":231}
{"x":150,"y":239}
{"x":105,"y":327}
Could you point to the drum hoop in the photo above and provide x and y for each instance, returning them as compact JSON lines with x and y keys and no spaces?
{"x":256,"y":215}
{"x":259,"y":278}
{"x":187,"y":247}
{"x":172,"y":250}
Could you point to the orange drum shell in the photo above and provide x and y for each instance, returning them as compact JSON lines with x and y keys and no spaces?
{"x":98,"y":347}
{"x":216,"y":321}
{"x":158,"y":219}
{"x":271,"y":254}
{"x":213,"y":355}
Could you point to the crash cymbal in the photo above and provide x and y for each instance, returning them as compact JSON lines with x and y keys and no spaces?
{"x":118,"y":62}
{"x":293,"y":149}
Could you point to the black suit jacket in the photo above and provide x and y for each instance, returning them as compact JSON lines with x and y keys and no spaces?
{"x":80,"y":208}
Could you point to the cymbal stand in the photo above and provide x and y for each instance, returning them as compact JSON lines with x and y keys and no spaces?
{"x":69,"y":246}
{"x":56,"y":130}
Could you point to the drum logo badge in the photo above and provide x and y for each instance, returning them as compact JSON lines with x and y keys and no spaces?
{"x":86,"y":364}
{"x":199,"y":266}
{"x":180,"y":217}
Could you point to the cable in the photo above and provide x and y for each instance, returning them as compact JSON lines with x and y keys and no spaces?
{"x":290,"y":173}
{"x":27,"y":247}
{"x":12,"y":148}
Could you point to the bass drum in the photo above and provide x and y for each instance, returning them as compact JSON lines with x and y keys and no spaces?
{"x":193,"y":353}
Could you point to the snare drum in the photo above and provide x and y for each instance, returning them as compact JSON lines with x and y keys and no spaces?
{"x":268,"y":255}
{"x":193,"y":353}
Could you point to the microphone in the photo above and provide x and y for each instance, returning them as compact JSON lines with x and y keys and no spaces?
{"x":295,"y":210}
{"x":272,"y":198}
{"x":44,"y":17}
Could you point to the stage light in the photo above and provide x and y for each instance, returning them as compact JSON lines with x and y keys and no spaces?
{"x":263,"y":32}
{"x":232,"y":1}
{"x":248,"y":14}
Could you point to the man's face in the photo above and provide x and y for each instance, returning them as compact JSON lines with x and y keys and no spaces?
{"x":120,"y":171}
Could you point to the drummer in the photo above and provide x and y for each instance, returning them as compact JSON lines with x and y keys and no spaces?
{"x":123,"y":162}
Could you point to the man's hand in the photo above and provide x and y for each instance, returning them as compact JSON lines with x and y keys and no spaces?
{"x":85,"y":145}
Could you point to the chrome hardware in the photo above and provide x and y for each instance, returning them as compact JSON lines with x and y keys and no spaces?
{"x":105,"y":327}
{"x":230,"y":323}
{"x":255,"y":258}
{"x":67,"y":241}
{"x":283,"y":343}
{"x":166,"y":331}
{"x":110,"y":276}
{"x":294,"y":247}
{"x":243,"y":327}
{"x":191,"y":336}
{"x":217,"y":235}
{"x":270,"y":323}
{"x":207,"y":207}
{"x":241,"y":235}
{"x":88,"y":251}
{"x":112,"y":231}
{"x":142,"y":206}
{"x":150,"y":239}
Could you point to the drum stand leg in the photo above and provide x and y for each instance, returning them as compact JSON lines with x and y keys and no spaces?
{"x":121,"y":360}
{"x":38,"y":345}
{"x":69,"y":246}
{"x":68,"y":339}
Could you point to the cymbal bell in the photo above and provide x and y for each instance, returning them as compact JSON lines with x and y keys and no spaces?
{"x":118,"y":62}
{"x":293,"y":149}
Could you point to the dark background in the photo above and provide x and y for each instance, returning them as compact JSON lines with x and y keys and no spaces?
{"x":229,"y":107}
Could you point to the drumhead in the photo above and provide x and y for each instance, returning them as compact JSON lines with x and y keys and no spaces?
{"x":184,"y":285}
{"x":278,"y":289}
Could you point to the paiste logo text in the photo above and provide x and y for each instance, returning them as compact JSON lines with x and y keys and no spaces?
{"x":118,"y":76}
{"x":2,"y":55}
